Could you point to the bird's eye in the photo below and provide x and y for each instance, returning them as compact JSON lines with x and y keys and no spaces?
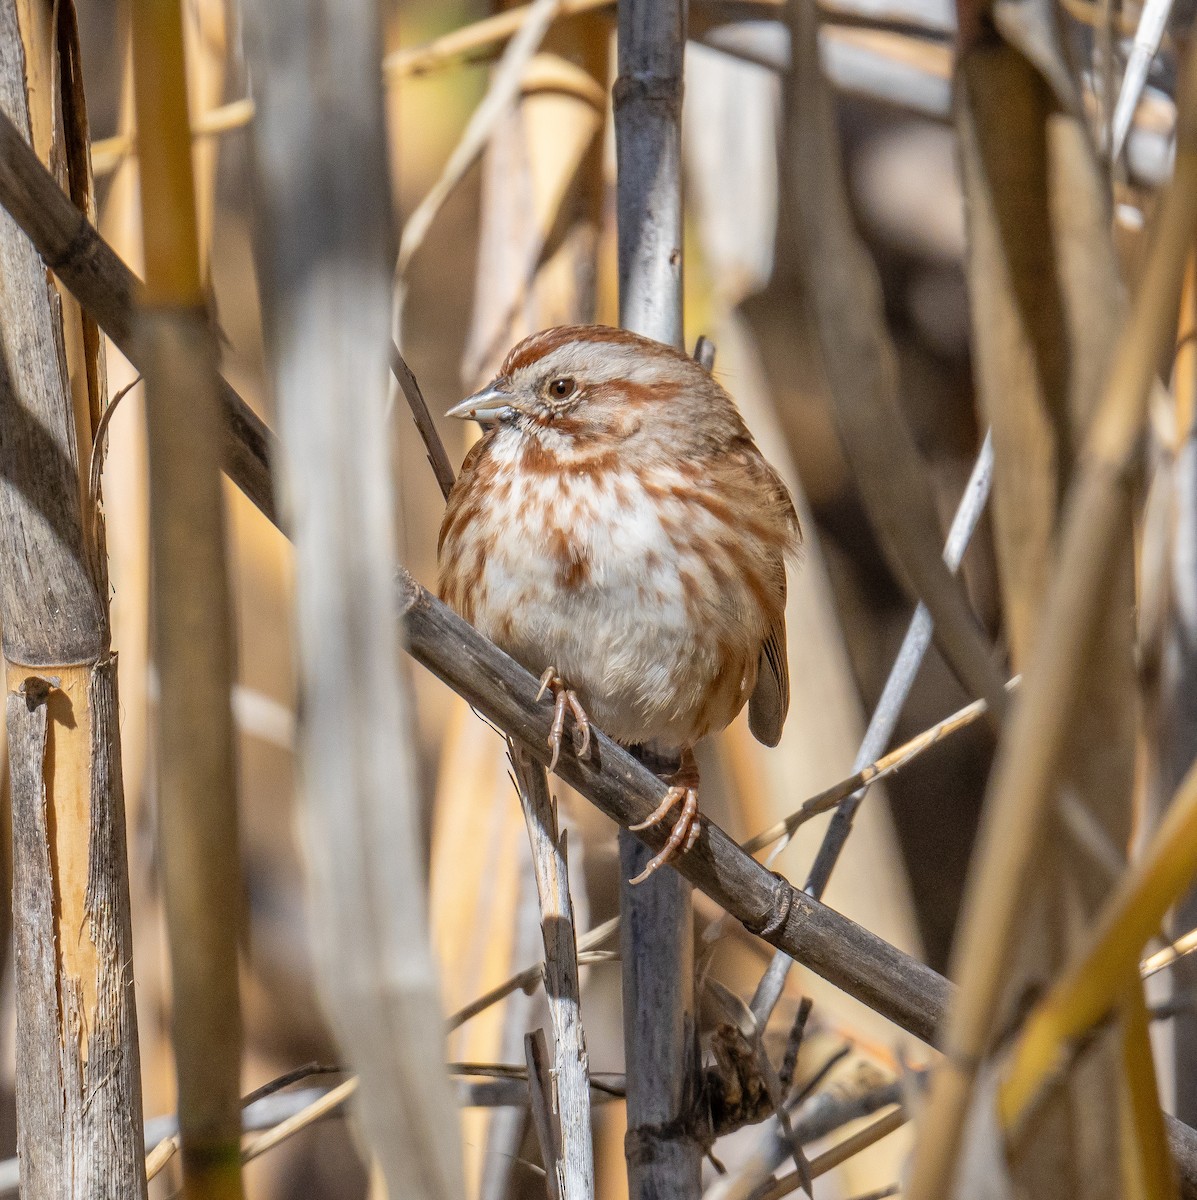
{"x":559,"y":389}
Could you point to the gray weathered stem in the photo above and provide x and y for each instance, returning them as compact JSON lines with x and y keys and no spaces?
{"x":648,"y":134}
{"x":325,"y":239}
{"x":78,"y":1081}
{"x":657,"y":934}
{"x":571,"y":1065}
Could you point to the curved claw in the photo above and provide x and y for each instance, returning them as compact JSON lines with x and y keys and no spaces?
{"x":683,"y":835}
{"x":564,"y":698}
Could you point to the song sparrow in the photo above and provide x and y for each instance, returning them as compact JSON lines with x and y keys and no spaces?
{"x":617,"y":532}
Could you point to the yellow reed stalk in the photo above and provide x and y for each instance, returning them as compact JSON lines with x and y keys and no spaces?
{"x":1095,"y":981}
{"x":193,"y":647}
{"x":1147,"y":1171}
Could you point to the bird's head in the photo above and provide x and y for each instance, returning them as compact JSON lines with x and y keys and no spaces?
{"x":587,"y":383}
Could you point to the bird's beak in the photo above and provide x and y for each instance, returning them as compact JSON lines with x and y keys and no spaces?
{"x":486,"y":407}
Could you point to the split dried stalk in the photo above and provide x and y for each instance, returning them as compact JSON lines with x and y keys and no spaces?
{"x":570,"y":1096}
{"x":78,"y":1084}
{"x":197,"y":799}
{"x":324,"y":248}
{"x":1026,"y":767}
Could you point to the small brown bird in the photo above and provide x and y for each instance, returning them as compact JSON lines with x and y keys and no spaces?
{"x":617,"y":532}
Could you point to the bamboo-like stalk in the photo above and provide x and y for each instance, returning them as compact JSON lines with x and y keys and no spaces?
{"x":192,"y":638}
{"x":657,"y":930}
{"x":78,"y":1085}
{"x":324,"y":246}
{"x":1028,"y":760}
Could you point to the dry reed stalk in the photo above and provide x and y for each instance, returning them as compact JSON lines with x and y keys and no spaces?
{"x":657,"y":929}
{"x":324,"y":244}
{"x":192,"y":637}
{"x":78,"y":1087}
{"x":1047,"y":304}
{"x":1028,"y":761}
{"x":124,"y":497}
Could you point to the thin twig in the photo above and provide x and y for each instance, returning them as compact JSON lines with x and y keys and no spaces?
{"x":1150,"y":32}
{"x":1162,"y":959}
{"x":438,"y":458}
{"x":872,"y":1133}
{"x":331,"y":1101}
{"x":885,"y":715}
{"x":855,"y":785}
{"x":108,"y":153}
{"x":534,"y":23}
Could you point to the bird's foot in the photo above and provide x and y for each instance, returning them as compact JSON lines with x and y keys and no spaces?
{"x":683,"y":790}
{"x":565,"y":699}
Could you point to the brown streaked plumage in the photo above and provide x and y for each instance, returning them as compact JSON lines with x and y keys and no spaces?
{"x":617,"y":531}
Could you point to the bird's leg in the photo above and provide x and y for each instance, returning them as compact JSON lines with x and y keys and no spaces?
{"x":564,"y":699}
{"x":683,"y":789}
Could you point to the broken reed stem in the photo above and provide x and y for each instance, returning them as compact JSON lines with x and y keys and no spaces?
{"x":838,"y":1154}
{"x":1021,"y":787}
{"x":197,"y":802}
{"x":570,"y":1097}
{"x":544,"y":1123}
{"x":77,"y":1081}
